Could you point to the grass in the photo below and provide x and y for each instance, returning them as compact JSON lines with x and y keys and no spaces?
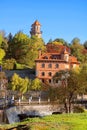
{"x":20,"y":66}
{"x":55,"y":122}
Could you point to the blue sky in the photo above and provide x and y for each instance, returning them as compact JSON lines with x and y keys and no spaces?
{"x":65,"y":19}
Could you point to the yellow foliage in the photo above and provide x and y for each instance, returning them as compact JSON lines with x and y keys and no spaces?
{"x":2,"y":54}
{"x":57,"y":43}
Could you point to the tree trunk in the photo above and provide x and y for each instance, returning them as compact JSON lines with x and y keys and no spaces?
{"x":69,"y":107}
{"x":70,"y":102}
{"x":66,"y":107}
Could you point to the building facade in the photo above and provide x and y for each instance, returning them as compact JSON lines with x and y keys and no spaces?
{"x":57,"y":57}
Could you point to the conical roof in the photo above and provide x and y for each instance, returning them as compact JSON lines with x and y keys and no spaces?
{"x":36,"y":23}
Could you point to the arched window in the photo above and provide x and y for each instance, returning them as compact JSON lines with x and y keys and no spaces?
{"x":56,"y":80}
{"x":49,"y":80}
{"x":49,"y":65}
{"x":43,"y":80}
{"x":50,"y":74}
{"x":57,"y":65}
{"x":45,"y":57}
{"x":43,"y":74}
{"x":43,"y":65}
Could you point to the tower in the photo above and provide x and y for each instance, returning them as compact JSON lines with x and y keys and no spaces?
{"x":35,"y":29}
{"x":66,"y":55}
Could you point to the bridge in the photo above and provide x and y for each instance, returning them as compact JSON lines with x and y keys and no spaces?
{"x":30,"y":110}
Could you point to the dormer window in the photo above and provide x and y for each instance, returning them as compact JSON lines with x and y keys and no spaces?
{"x":45,"y":57}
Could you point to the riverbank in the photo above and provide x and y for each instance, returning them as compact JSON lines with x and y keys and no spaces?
{"x":53,"y":122}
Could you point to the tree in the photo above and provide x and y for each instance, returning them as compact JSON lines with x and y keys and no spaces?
{"x":9,"y":64}
{"x":72,"y":84}
{"x":2,"y":54}
{"x":75,"y":40}
{"x":77,"y":49}
{"x":19,"y":46}
{"x":10,"y":37}
{"x":83,"y":76}
{"x":60,"y":41}
{"x":1,"y":38}
{"x":20,"y":84}
{"x":3,"y":41}
{"x":36,"y":84}
{"x":85,"y":44}
{"x":32,"y":54}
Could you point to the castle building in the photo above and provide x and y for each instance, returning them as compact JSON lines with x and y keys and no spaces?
{"x":35,"y":29}
{"x":57,"y":57}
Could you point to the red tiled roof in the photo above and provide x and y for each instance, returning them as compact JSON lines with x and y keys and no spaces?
{"x":52,"y":48}
{"x":54,"y":53}
{"x":73,"y":59}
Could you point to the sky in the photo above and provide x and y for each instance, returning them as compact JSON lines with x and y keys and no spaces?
{"x":65,"y":19}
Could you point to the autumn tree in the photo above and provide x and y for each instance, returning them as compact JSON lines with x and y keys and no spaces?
{"x":32,"y":54}
{"x":25,"y":49}
{"x":60,"y":41}
{"x":2,"y":54}
{"x":77,"y":48}
{"x":19,"y":46}
{"x":36,"y":84}
{"x":72,"y":84}
{"x":19,"y":84}
{"x":9,"y":64}
{"x":9,"y":50}
{"x":85,"y":44}
{"x":3,"y":41}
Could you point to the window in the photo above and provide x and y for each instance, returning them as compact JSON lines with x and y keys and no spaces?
{"x":43,"y":65}
{"x":50,"y":74}
{"x":49,"y":65}
{"x":43,"y":80}
{"x":43,"y":74}
{"x":56,"y":80}
{"x":45,"y":57}
{"x":49,"y":80}
{"x":57,"y":65}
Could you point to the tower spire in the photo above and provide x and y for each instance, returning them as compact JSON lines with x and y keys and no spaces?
{"x":35,"y":29}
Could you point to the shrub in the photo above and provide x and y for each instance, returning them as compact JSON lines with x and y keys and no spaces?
{"x":9,"y":64}
{"x":78,"y":109}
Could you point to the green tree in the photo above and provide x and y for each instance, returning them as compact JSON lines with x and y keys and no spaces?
{"x":77,"y":48}
{"x":72,"y":84}
{"x":9,"y":51}
{"x":37,"y":43}
{"x":60,"y":41}
{"x":83,"y":76}
{"x":85,"y":44}
{"x":1,"y":38}
{"x":36,"y":84}
{"x":9,"y":64}
{"x":3,"y":41}
{"x":19,"y":46}
{"x":20,"y":84}
{"x":2,"y":54}
{"x":32,"y":54}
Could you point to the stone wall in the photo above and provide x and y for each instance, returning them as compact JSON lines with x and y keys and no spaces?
{"x":37,"y":110}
